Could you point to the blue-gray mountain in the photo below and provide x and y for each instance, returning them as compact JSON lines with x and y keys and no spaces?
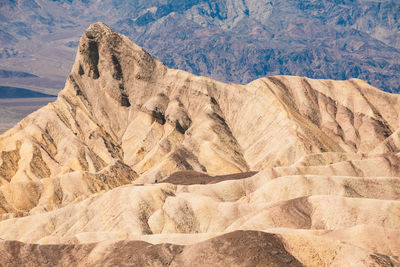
{"x":231,"y":40}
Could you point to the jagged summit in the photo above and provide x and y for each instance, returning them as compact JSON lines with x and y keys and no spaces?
{"x":90,"y":166}
{"x":103,"y":52}
{"x":100,"y":47}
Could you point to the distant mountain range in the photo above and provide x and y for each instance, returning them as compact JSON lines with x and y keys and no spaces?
{"x":232,"y":40}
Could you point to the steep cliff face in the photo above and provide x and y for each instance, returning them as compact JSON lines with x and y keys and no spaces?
{"x":82,"y":169}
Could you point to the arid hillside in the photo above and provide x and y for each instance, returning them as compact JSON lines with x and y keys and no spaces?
{"x":136,"y":163}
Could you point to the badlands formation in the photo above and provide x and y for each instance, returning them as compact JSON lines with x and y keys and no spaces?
{"x":138,"y":164}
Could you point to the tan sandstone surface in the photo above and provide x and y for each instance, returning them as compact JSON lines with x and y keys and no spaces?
{"x":138,"y":164}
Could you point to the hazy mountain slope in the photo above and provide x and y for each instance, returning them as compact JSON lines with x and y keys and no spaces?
{"x":234,"y":41}
{"x":13,"y":92}
{"x":319,"y":163}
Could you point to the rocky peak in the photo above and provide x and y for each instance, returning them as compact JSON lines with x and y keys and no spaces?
{"x":103,"y":56}
{"x":123,"y":117}
{"x":121,"y":113}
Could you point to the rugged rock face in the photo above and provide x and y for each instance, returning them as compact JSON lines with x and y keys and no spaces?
{"x":133,"y":150}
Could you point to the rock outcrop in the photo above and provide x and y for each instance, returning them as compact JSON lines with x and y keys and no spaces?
{"x":136,"y":151}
